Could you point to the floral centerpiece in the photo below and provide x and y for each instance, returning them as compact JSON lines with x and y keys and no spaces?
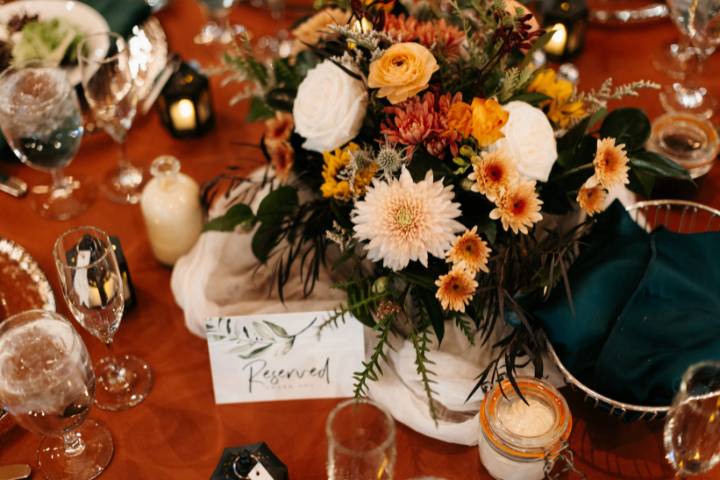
{"x":434,"y":159}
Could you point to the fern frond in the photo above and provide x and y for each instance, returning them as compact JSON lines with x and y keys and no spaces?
{"x":421,"y":342}
{"x":371,"y":368}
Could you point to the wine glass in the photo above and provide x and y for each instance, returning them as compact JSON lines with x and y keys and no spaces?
{"x":701,"y":20}
{"x":109,"y":88}
{"x":692,"y":435}
{"x":41,"y":120}
{"x":217,"y":29}
{"x":361,"y":441}
{"x":94,"y":291}
{"x":47,"y":384}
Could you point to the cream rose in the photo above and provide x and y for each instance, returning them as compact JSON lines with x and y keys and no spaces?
{"x":329,"y":107}
{"x":530,"y":139}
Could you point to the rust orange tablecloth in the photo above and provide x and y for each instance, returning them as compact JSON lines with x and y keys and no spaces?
{"x":179,"y":432}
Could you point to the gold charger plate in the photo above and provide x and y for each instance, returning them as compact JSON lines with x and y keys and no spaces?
{"x":23,"y":286}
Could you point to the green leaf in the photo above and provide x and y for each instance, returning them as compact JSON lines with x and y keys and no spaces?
{"x":641,"y":182}
{"x":435,"y":313}
{"x":658,"y":165}
{"x":423,"y":161}
{"x":629,"y":126}
{"x":271,"y":212}
{"x":259,"y":110}
{"x":539,"y":43}
{"x":596,"y":117}
{"x":277,"y":329}
{"x":533,"y":98}
{"x":277,"y":204}
{"x":568,"y":143}
{"x":236,"y":215}
{"x":255,"y":352}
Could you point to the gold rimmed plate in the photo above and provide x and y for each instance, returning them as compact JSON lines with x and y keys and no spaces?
{"x":23,"y":286}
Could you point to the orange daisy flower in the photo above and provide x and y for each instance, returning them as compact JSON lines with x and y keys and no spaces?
{"x":470,"y":252}
{"x":518,"y":208}
{"x":611,"y":163}
{"x":493,"y":173}
{"x":455,"y":289}
{"x":591,"y":197}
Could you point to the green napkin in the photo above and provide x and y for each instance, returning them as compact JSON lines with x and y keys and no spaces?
{"x":602,"y":280}
{"x":122,"y":15}
{"x":647,"y":306}
{"x":671,"y":322}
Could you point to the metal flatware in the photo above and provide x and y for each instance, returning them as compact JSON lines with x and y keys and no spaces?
{"x":19,"y":471}
{"x":12,"y":185}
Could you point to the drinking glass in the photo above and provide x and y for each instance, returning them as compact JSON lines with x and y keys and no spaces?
{"x":217,"y":29}
{"x":109,"y":89}
{"x":93,"y":289}
{"x":47,"y":384}
{"x":361,"y":441}
{"x":41,"y":120}
{"x":700,"y":19}
{"x":692,"y":435}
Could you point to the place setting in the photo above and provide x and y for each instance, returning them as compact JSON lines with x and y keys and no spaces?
{"x":455,"y":232}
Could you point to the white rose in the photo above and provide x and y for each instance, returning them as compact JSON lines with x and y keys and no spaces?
{"x":329,"y":107}
{"x":530,"y":139}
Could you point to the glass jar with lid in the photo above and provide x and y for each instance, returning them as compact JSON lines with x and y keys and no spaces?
{"x":519,"y":436}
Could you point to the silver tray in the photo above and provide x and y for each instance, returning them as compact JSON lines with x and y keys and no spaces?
{"x":680,"y":216}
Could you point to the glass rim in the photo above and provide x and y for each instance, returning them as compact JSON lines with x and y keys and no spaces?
{"x":384,"y":445}
{"x":62,"y":260}
{"x":691,"y":371}
{"x":106,"y":59}
{"x":38,"y":64}
{"x":19,"y":319}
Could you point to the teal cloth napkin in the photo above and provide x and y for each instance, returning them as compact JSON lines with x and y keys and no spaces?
{"x":647,"y":307}
{"x":121,"y":15}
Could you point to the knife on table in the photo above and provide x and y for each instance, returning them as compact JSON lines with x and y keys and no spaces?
{"x":12,"y":186}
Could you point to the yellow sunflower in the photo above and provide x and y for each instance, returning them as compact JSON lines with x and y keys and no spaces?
{"x":335,"y":184}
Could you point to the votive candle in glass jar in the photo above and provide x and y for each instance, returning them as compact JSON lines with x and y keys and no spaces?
{"x":518,"y":437}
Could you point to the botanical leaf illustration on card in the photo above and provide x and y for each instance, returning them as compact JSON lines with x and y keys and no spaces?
{"x":254,"y":340}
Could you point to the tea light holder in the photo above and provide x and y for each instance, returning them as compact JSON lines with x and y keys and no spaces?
{"x":250,"y":462}
{"x":568,"y":20}
{"x":185,"y":103}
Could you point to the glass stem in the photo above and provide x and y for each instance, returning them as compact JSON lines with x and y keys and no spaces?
{"x":123,"y":160}
{"x":58,"y":179}
{"x":116,"y":376}
{"x":73,"y":444}
{"x":688,"y":93}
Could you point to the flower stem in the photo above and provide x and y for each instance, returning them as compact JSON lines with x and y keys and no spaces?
{"x":573,"y":171}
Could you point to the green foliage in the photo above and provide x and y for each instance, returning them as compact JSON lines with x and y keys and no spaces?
{"x":238,"y":214}
{"x":627,"y":125}
{"x":372,"y":370}
{"x":259,"y":110}
{"x":272,"y":212}
{"x":421,"y":342}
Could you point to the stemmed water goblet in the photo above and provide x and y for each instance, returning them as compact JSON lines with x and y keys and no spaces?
{"x":47,"y":384}
{"x":109,"y":89}
{"x":93,"y":289}
{"x":692,"y":436}
{"x":41,"y":120}
{"x":217,"y":29}
{"x":700,"y":19}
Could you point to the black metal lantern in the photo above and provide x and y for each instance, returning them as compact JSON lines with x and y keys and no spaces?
{"x":185,"y":103}
{"x":250,"y":462}
{"x":568,"y":20}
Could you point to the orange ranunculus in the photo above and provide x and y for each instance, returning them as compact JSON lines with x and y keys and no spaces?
{"x":459,"y":118}
{"x":488,"y":119}
{"x":402,"y":71}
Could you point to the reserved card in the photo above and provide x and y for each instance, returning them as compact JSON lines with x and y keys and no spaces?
{"x":282,"y":357}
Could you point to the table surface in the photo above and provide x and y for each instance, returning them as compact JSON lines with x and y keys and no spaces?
{"x":179,"y":432}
